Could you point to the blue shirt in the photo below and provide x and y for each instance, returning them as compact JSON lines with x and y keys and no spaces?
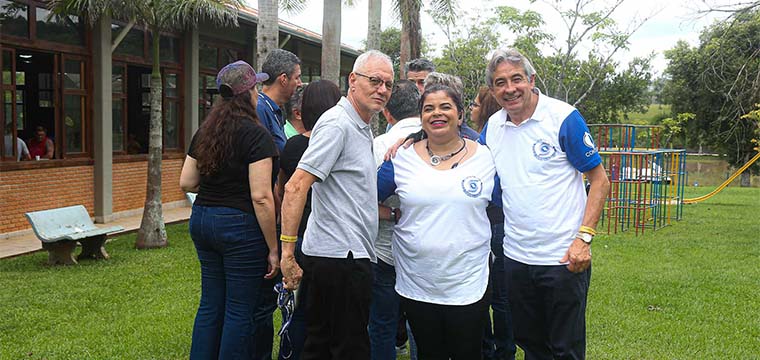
{"x":271,"y":118}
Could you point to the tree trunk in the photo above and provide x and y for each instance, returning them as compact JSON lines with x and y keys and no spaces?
{"x":152,"y":233}
{"x":403,"y":56}
{"x":410,"y":33}
{"x":374,"y":29}
{"x":331,"y":41}
{"x":267,"y":30}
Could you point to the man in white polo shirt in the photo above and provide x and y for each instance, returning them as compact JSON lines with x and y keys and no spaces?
{"x":542,"y":148}
{"x":338,"y":245}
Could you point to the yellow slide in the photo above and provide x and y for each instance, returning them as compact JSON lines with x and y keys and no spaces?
{"x":725,"y":183}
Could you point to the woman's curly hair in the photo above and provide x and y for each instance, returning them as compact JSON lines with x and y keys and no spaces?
{"x":214,"y":145}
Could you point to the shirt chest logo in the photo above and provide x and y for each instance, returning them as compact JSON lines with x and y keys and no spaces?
{"x":472,"y":186}
{"x":543,"y":150}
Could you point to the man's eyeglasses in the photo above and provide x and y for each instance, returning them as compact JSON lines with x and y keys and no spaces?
{"x":376,"y":81}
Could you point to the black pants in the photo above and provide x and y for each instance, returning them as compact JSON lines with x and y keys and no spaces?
{"x":548,"y":306}
{"x":337,"y":308}
{"x":447,"y":331}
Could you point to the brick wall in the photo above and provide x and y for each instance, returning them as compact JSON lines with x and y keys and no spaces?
{"x":39,"y":189}
{"x":130,"y":181}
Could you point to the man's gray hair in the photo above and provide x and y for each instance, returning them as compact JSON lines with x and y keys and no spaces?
{"x":512,"y":56}
{"x":361,"y":61}
{"x":452,"y":81}
{"x":404,"y":100}
{"x":418,"y":65}
{"x":279,"y":62}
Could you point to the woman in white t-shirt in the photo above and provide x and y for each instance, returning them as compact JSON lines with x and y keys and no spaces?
{"x":441,"y":242}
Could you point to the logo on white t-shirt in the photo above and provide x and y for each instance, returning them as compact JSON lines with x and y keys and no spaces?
{"x":472,"y":186}
{"x":543,"y":150}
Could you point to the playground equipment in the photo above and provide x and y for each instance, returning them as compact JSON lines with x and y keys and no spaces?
{"x":725,"y":183}
{"x":646,"y":181}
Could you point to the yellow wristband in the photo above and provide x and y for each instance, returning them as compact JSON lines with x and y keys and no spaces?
{"x":288,"y":238}
{"x":587,"y":230}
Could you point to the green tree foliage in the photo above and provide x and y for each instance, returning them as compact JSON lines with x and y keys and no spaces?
{"x":466,"y":56}
{"x":595,"y":85}
{"x":718,"y":81}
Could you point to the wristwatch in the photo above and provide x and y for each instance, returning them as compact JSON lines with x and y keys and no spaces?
{"x":586,"y":237}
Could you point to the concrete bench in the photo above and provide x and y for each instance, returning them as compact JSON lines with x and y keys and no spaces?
{"x":60,"y":230}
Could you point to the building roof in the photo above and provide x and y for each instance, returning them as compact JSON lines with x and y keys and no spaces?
{"x":252,"y":15}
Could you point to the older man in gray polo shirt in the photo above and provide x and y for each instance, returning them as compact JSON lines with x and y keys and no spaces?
{"x":339,"y":240}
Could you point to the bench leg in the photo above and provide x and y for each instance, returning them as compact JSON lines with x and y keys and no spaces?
{"x":92,"y":248}
{"x":60,"y":252}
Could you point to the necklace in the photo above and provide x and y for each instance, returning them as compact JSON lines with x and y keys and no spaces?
{"x":461,"y":158}
{"x":436,"y":160}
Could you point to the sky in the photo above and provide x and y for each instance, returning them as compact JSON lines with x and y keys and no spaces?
{"x":671,"y":20}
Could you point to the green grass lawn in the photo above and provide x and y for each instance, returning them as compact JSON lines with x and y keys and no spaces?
{"x":688,"y":291}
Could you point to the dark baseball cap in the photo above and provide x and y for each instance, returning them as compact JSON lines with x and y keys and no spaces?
{"x":237,"y":78}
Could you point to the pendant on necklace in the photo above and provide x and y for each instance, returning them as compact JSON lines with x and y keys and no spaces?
{"x":435,"y":160}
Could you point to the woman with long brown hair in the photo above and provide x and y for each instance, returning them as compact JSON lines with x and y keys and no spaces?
{"x":232,"y":225}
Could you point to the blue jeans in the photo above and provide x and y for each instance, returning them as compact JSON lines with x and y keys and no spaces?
{"x":232,"y":254}
{"x":499,"y":343}
{"x":383,"y":312}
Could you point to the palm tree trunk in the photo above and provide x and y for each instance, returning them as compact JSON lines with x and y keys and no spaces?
{"x":374,"y":29}
{"x":267,"y":30}
{"x":331,"y":41}
{"x":152,"y":233}
{"x":410,"y":33}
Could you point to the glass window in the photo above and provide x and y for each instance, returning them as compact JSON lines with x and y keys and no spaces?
{"x":8,"y":126}
{"x":229,"y":56}
{"x":45,"y":83}
{"x":118,"y":124}
{"x":14,"y":18}
{"x":20,"y":78}
{"x":171,"y":125}
{"x":7,"y":67}
{"x":169,"y":51}
{"x":207,"y":56}
{"x":19,"y":110}
{"x":72,"y":122}
{"x":68,"y":29}
{"x":117,"y":79}
{"x":132,"y":44}
{"x":170,"y":85}
{"x":72,"y":77}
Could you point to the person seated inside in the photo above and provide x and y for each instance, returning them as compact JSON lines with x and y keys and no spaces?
{"x":22,"y":152}
{"x":41,"y":146}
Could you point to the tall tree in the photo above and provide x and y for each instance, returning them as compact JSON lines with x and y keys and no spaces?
{"x":267,"y":30}
{"x":268,"y":25}
{"x":719,"y":81}
{"x":374,"y":30}
{"x":156,"y":16}
{"x":331,"y":22}
{"x":408,"y":11}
